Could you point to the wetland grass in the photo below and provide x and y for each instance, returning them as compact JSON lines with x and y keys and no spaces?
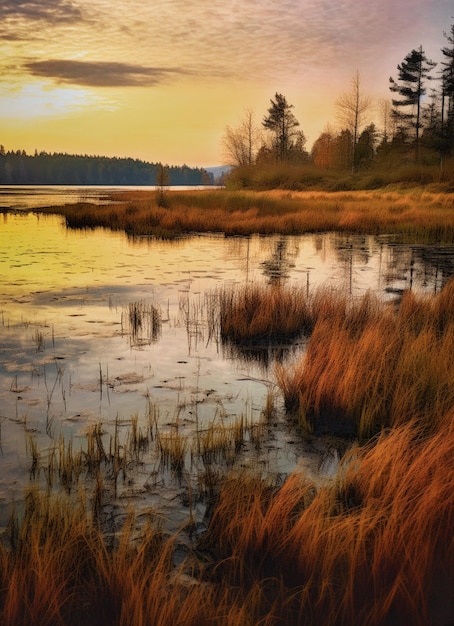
{"x":414,"y":214}
{"x":143,"y":322}
{"x":368,"y":367}
{"x":257,"y":312}
{"x":373,"y":547}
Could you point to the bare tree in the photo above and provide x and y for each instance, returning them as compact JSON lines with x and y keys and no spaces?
{"x":351,"y":109}
{"x":162,"y":182}
{"x":240,"y":144}
{"x":387,"y":120}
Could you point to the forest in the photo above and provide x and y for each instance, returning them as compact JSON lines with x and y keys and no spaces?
{"x":413,"y":128}
{"x":19,"y":168}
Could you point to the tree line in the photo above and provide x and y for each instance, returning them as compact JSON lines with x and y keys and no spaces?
{"x":415,"y":125}
{"x":20,"y":168}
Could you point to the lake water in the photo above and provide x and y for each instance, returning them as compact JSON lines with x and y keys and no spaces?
{"x":70,"y":356}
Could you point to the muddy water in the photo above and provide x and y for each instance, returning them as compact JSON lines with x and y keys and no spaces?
{"x":71,"y":355}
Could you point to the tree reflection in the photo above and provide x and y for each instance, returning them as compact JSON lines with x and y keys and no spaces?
{"x":281,"y":261}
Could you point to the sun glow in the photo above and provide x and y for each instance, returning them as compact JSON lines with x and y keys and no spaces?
{"x":41,"y":100}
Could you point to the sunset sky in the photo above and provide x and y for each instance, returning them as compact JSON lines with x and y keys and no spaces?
{"x":160,"y":80}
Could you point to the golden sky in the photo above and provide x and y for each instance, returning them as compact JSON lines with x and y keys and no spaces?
{"x":160,"y":80}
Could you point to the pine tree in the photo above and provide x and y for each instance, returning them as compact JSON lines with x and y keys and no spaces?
{"x":281,"y":122}
{"x":410,"y":85}
{"x":447,"y":95}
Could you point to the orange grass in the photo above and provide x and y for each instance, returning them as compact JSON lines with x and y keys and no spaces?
{"x":368,"y":367}
{"x":62,"y":571}
{"x":262,"y":312}
{"x":371,"y":548}
{"x":414,"y":214}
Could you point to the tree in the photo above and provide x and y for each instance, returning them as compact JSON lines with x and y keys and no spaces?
{"x":323,"y":149}
{"x":413,"y":74}
{"x":162,"y":181}
{"x":365,"y":150}
{"x":343,"y":149}
{"x":240,"y":143}
{"x":387,"y":121}
{"x":447,"y":97}
{"x":297,"y":151}
{"x":282,"y":123}
{"x":351,"y":109}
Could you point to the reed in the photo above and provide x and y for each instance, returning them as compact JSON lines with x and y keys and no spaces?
{"x":367,"y":367}
{"x":62,"y":572}
{"x":373,"y":546}
{"x":143,"y":322}
{"x":70,"y":465}
{"x":370,"y":548}
{"x":38,"y":339}
{"x":173,"y":447}
{"x":414,"y":214}
{"x":257,"y":312}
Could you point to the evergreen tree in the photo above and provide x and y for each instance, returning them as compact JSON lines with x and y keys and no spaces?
{"x":447,"y":96}
{"x":281,"y":121}
{"x":365,"y":149}
{"x":413,"y":73}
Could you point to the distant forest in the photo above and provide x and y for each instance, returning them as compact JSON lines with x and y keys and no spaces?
{"x":20,"y":168}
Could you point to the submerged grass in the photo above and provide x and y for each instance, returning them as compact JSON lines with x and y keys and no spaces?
{"x":414,"y":214}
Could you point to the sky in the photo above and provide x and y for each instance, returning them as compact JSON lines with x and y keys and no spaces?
{"x":160,"y":80}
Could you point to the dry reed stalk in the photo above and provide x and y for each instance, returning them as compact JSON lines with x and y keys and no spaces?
{"x":62,"y":573}
{"x":172,"y":448}
{"x":361,"y":550}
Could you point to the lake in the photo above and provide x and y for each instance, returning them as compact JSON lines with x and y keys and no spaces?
{"x":97,"y":328}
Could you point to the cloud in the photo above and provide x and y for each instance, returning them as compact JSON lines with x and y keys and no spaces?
{"x":100,"y":73}
{"x":38,"y":10}
{"x":285,"y":43}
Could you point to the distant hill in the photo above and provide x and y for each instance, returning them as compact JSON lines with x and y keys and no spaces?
{"x":19,"y":168}
{"x":218,"y":172}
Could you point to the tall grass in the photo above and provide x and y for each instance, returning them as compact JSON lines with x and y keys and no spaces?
{"x":143,"y":322}
{"x":415,"y":214}
{"x":262,"y":312}
{"x":372,"y":548}
{"x":368,"y":367}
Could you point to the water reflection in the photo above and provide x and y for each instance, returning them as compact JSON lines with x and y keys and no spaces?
{"x":95,"y":326}
{"x":282,"y":259}
{"x":262,"y":354}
